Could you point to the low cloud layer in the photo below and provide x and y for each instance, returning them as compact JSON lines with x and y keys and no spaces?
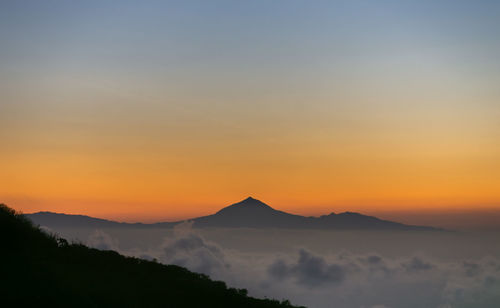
{"x":309,"y":270}
{"x":102,"y":240}
{"x":190,"y":250}
{"x":338,"y":280}
{"x":347,"y":280}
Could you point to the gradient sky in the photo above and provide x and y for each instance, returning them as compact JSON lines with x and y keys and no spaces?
{"x":158,"y":109}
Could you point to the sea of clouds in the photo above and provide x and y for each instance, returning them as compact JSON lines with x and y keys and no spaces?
{"x":339,"y":279}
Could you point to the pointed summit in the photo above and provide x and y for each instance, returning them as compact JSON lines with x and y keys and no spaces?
{"x":248,"y":213}
{"x":247,"y":204}
{"x":251,"y":200}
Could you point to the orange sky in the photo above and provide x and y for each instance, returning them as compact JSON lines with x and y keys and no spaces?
{"x":165,"y":118}
{"x":147,"y":183}
{"x":142,"y":159}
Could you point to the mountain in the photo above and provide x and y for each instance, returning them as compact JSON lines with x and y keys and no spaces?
{"x":252,"y":213}
{"x":58,"y":220}
{"x":249,"y":213}
{"x":42,"y":270}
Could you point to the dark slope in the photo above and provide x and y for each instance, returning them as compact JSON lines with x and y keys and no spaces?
{"x":40,"y":270}
{"x":249,"y":213}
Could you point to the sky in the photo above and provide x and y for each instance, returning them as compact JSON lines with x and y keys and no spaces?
{"x":147,"y":110}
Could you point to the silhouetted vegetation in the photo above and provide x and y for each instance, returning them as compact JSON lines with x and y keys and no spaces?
{"x":42,"y":270}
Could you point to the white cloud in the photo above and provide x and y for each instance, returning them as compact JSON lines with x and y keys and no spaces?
{"x":338,"y":280}
{"x":102,"y":240}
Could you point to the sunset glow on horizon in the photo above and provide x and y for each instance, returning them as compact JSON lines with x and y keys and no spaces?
{"x":173,"y":110}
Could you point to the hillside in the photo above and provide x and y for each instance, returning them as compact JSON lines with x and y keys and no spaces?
{"x":38,"y":269}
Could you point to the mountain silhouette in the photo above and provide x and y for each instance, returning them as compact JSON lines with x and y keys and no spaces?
{"x":42,"y":270}
{"x":59,"y":220}
{"x":249,"y":213}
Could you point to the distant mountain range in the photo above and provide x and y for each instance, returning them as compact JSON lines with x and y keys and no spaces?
{"x":249,"y":213}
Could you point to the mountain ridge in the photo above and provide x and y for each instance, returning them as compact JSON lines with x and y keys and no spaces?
{"x":248,"y":213}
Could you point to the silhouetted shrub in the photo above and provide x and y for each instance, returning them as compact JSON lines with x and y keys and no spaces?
{"x":39,"y":269}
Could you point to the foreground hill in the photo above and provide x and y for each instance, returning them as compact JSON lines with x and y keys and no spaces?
{"x":41,"y":270}
{"x":249,"y":213}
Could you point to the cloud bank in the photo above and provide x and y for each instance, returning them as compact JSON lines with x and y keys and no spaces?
{"x":338,"y":280}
